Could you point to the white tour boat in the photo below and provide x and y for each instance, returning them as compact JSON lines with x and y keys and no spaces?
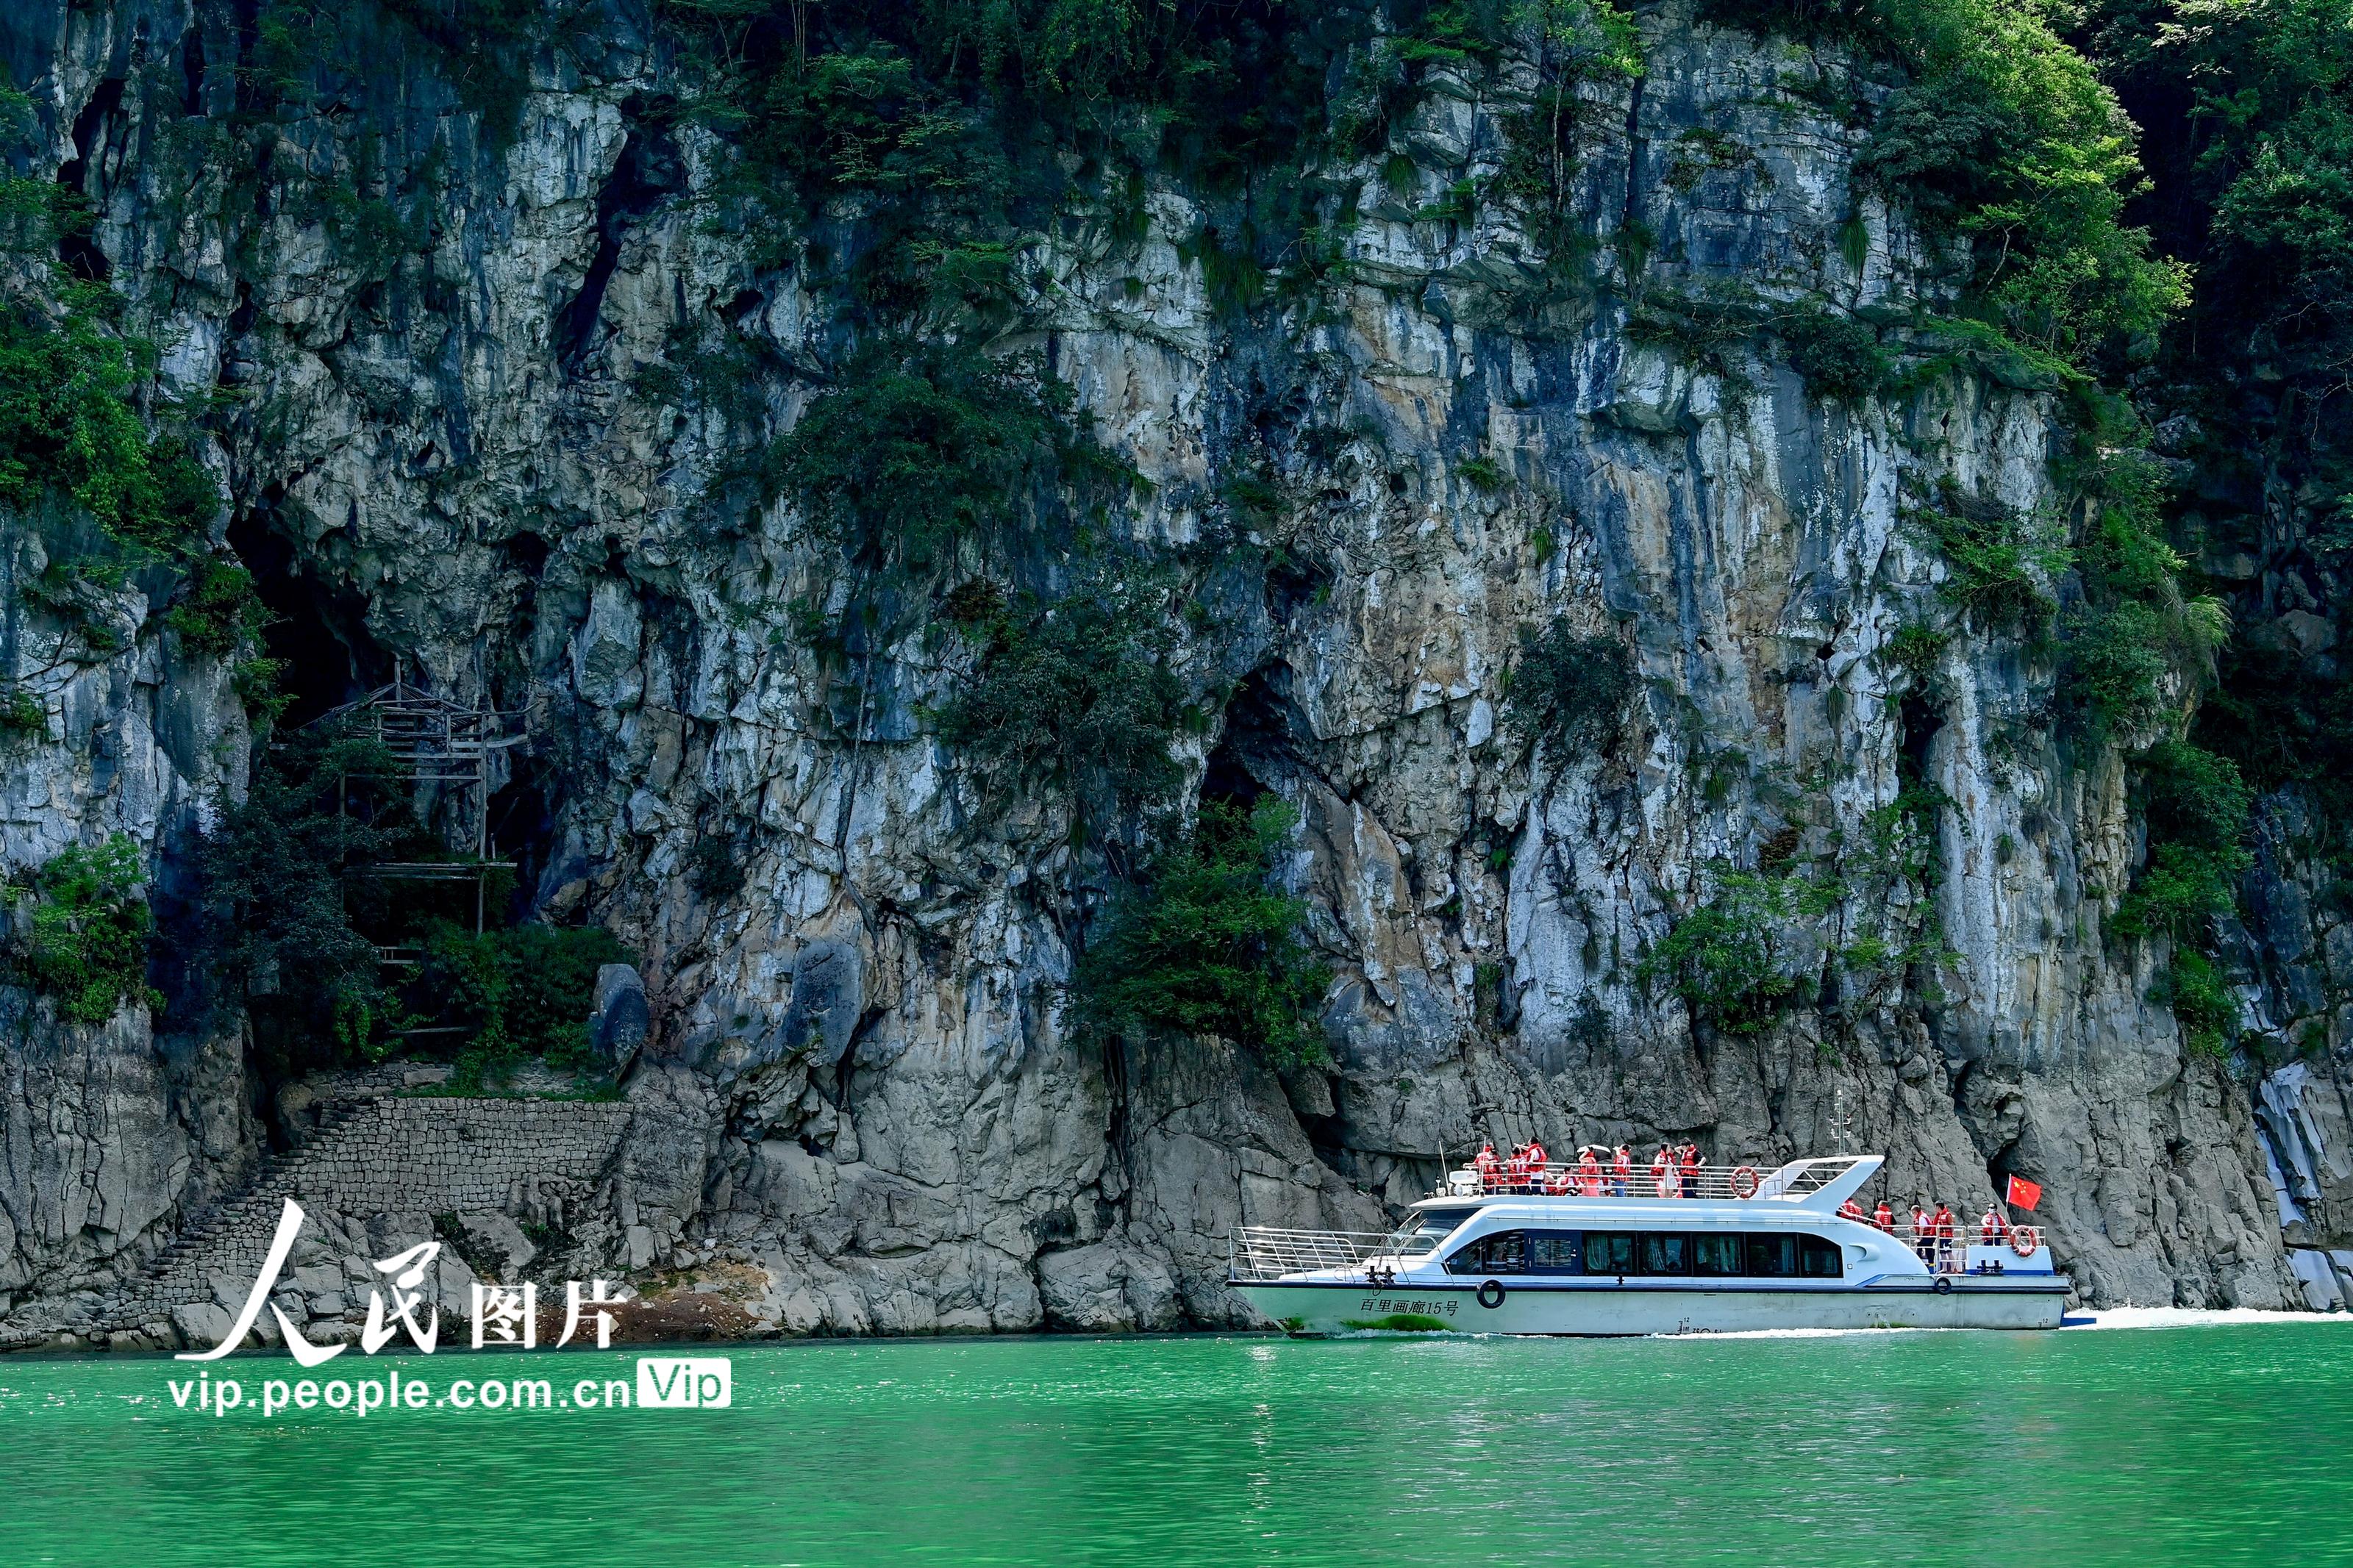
{"x":1561,"y":1249}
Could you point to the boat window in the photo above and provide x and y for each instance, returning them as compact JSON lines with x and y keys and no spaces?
{"x":1421,"y":1233}
{"x":1505,"y":1252}
{"x":1608,"y":1252}
{"x":1772,"y":1256}
{"x":1719,"y":1254}
{"x":1556,"y":1252}
{"x":1666,"y":1253}
{"x":1817,"y":1259}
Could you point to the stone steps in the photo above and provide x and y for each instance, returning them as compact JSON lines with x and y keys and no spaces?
{"x":234,"y":1231}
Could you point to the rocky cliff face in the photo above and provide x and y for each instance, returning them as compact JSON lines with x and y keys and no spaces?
{"x":859,"y":1079}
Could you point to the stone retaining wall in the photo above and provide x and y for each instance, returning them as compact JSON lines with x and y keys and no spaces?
{"x":447,"y":1154}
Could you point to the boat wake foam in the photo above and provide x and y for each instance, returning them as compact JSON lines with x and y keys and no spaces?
{"x":2192,"y":1316}
{"x":2079,"y":1318}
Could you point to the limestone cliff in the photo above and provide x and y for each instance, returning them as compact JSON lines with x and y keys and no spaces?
{"x":859,"y":1082}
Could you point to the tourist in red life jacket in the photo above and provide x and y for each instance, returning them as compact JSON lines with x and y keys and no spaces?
{"x":1992,"y":1227}
{"x":1691,"y":1170}
{"x":1923,"y":1235}
{"x":1884,"y":1217}
{"x":1945,"y":1226}
{"x":1486,"y":1165}
{"x":1623,"y":1163}
{"x":1662,"y":1173}
{"x":1588,"y":1173}
{"x":1853,"y":1211}
{"x":1536,"y":1163}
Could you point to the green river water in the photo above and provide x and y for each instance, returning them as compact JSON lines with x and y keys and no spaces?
{"x":2187,"y":1445}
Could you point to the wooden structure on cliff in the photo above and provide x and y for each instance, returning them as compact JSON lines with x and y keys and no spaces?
{"x":439,"y":743}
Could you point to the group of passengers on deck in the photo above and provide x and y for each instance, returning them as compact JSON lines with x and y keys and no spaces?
{"x":1675,"y":1171}
{"x":1600,"y":1172}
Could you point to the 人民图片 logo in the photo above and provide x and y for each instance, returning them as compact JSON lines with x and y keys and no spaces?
{"x":503,"y":1315}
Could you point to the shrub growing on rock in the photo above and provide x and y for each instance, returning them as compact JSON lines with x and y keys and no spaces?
{"x":1839,"y":356}
{"x":2003,"y":564}
{"x":278,"y":937}
{"x":70,"y":430}
{"x":1207,"y":944}
{"x":521,"y":992}
{"x":1076,"y":695}
{"x":1729,"y":957}
{"x":2199,"y":811}
{"x":1567,"y":691}
{"x":90,"y":927}
{"x":921,"y":450}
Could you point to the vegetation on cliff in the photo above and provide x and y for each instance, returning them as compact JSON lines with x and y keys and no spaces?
{"x":86,"y":930}
{"x":903,"y":158}
{"x":1206,"y":942}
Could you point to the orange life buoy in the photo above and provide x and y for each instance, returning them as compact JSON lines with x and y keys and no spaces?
{"x":2023,"y":1241}
{"x":1743,"y":1181}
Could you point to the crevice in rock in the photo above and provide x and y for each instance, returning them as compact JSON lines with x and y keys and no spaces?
{"x":192,"y":70}
{"x":76,"y":246}
{"x":647,"y":171}
{"x":1633,"y":210}
{"x":1293,"y":584}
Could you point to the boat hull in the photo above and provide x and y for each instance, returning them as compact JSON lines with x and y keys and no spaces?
{"x":1326,"y":1307}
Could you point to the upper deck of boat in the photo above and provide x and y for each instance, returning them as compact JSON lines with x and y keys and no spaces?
{"x":1814,"y":1184}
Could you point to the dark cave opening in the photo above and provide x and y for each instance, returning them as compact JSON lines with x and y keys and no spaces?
{"x":1920,"y":721}
{"x":1293,"y":584}
{"x":523,"y":832}
{"x":1256,"y":747}
{"x":526,"y":552}
{"x":316,"y":630}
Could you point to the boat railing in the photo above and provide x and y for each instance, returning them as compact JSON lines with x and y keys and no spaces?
{"x":1265,"y":1252}
{"x":1950,"y":1253}
{"x":1562,"y":1179}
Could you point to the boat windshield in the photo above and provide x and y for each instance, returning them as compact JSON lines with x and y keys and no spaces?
{"x":1420,"y":1233}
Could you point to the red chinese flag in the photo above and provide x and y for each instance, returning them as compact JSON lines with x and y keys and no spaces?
{"x":2022,"y":1193}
